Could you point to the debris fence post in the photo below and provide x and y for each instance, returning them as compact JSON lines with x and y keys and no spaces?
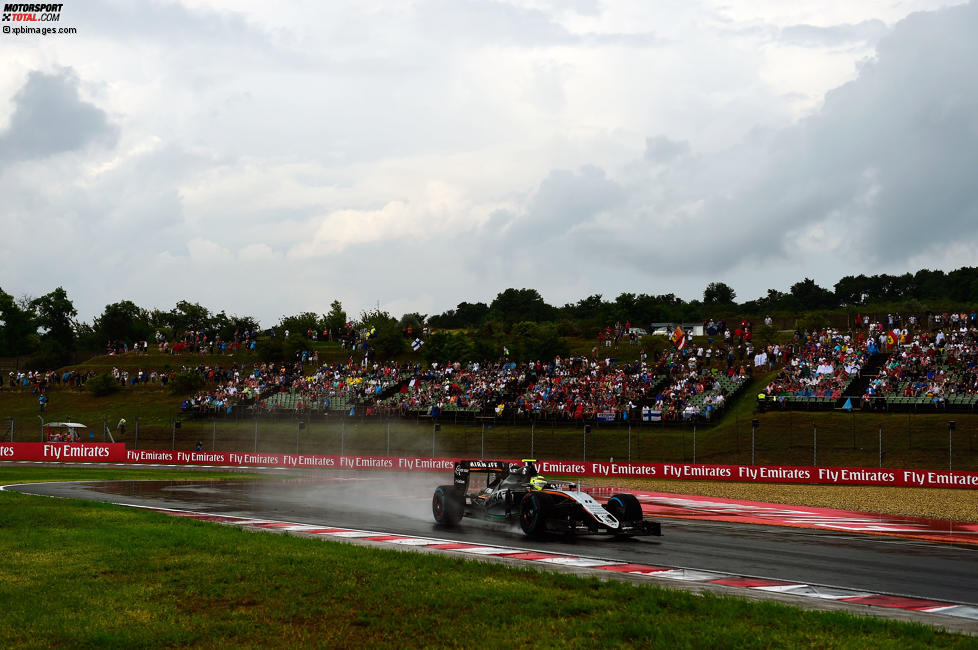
{"x":753,"y":436}
{"x":950,"y":430}
{"x":881,"y":444}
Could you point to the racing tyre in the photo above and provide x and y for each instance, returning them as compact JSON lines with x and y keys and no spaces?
{"x":447,"y":505}
{"x":625,"y":508}
{"x":535,"y":509}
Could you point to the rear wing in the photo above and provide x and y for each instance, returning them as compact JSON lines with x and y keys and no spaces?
{"x":464,"y":468}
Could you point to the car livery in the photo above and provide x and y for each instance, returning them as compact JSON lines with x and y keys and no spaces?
{"x":517,"y":492}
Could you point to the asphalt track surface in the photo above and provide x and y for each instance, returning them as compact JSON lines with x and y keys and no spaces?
{"x":402,"y":505}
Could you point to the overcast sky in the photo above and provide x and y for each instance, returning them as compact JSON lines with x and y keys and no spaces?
{"x":413,"y":155}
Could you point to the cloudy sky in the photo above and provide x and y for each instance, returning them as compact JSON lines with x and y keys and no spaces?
{"x":413,"y":155}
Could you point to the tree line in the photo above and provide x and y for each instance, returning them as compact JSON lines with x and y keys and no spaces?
{"x":918,"y":292}
{"x":518,"y":321}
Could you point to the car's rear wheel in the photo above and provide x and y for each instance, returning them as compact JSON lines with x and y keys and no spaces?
{"x":535,"y":509}
{"x":625,"y":508}
{"x":447,"y":505}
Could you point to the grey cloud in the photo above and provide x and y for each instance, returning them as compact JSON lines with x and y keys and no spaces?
{"x":882,"y":172}
{"x":868,"y":31}
{"x":50,"y":118}
{"x":896,"y":148}
{"x":660,"y":149}
{"x":564,"y":200}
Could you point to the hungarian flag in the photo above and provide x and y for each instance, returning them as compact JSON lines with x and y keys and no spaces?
{"x":679,"y":338}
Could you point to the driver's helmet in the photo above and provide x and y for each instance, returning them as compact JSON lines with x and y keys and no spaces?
{"x":538,"y":482}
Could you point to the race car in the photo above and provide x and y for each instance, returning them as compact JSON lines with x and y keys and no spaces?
{"x":517,"y":491}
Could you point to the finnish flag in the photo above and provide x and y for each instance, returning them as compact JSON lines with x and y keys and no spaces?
{"x":417,"y":344}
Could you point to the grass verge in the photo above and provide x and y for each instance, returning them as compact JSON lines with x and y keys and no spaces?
{"x":85,"y":574}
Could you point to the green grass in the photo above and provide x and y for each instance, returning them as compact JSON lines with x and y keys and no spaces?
{"x":81,"y":574}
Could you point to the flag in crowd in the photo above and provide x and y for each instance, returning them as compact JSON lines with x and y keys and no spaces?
{"x":416,"y":345}
{"x":679,"y":338}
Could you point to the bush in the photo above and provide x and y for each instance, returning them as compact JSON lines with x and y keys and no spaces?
{"x":184,"y":383}
{"x":101,"y":385}
{"x":270,"y":349}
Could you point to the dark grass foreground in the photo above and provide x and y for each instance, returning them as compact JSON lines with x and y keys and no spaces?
{"x":76,"y":574}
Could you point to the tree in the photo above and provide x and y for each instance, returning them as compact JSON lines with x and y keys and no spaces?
{"x":774,"y":300}
{"x":189,"y":316}
{"x":465,"y":315}
{"x":300,"y":323}
{"x":809,"y":296}
{"x":55,"y":315}
{"x":122,"y":321}
{"x":530,"y":340}
{"x":514,"y":305}
{"x":228,"y":326}
{"x":471,"y":314}
{"x":335,"y":320}
{"x":625,"y":307}
{"x":930,"y":285}
{"x":371,"y":318}
{"x":590,"y":311}
{"x":389,"y":342}
{"x":961,"y":283}
{"x":718,"y":293}
{"x":853,"y":290}
{"x":413,"y":320}
{"x":18,"y":329}
{"x":383,"y":333}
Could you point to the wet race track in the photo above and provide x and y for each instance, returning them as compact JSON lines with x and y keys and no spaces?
{"x":402,"y":505}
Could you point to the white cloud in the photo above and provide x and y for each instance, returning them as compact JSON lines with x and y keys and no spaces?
{"x":256,"y":252}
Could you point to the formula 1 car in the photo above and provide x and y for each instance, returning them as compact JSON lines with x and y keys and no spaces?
{"x":517,"y":492}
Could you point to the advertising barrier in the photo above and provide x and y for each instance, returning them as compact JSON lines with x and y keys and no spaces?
{"x":86,"y":452}
{"x":117,"y":453}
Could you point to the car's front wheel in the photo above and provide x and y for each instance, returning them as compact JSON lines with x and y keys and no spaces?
{"x":625,"y":508}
